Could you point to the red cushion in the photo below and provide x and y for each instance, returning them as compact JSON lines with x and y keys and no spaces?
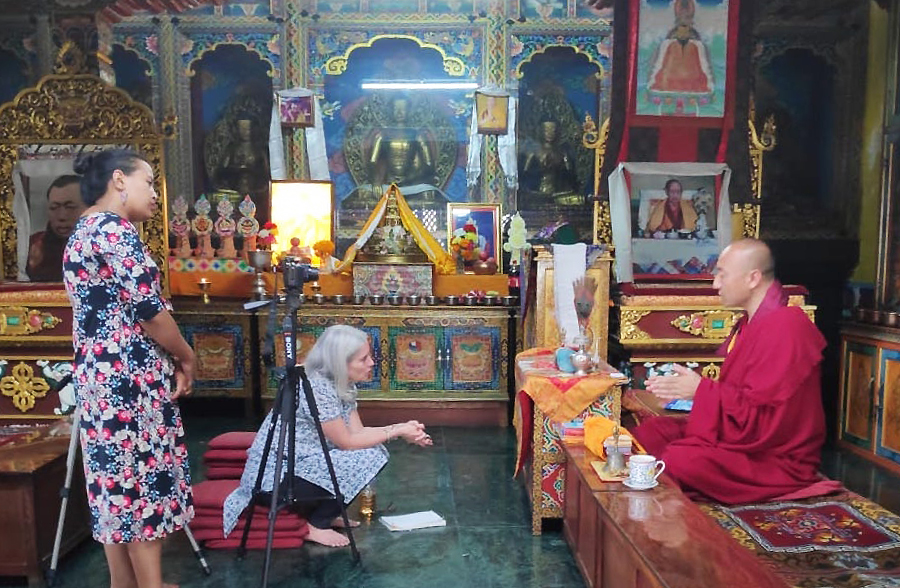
{"x":292,"y":543}
{"x":232,"y":440}
{"x":223,"y":473}
{"x":238,"y":456}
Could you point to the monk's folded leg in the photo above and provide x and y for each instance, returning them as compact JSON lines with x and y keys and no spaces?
{"x":657,"y":433}
{"x":726,"y":476}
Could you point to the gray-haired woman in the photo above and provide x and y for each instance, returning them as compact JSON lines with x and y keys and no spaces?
{"x":337,"y":362}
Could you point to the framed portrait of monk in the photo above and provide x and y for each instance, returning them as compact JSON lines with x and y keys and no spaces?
{"x":492,"y":115}
{"x":296,"y":111}
{"x":670,"y":221}
{"x":47,"y":203}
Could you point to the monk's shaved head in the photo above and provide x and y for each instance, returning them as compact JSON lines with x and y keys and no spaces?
{"x":754,"y":254}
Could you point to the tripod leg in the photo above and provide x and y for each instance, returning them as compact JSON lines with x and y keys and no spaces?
{"x":64,"y":493}
{"x":197,"y":551}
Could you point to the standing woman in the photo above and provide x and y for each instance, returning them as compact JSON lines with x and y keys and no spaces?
{"x":131,"y":363}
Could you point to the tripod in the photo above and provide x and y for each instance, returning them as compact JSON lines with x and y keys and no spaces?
{"x":283,"y":418}
{"x":64,"y":493}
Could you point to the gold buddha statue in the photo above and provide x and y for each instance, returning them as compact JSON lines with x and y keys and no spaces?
{"x":548,"y":171}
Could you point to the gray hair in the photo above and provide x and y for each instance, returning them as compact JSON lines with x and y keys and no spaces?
{"x":331,"y":354}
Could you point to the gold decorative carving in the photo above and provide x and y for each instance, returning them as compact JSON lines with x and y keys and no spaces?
{"x":708,"y":324}
{"x":596,"y":140}
{"x":760,"y":143}
{"x":628,"y":324}
{"x":23,"y":387}
{"x":70,"y":60}
{"x":602,"y":224}
{"x":711,"y":371}
{"x":749,"y":220}
{"x":18,"y":320}
{"x":77,"y":110}
{"x":335,"y":66}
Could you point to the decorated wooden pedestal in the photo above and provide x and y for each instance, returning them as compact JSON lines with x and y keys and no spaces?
{"x":442,"y":365}
{"x":655,"y":324}
{"x":546,"y":398}
{"x":35,"y":350}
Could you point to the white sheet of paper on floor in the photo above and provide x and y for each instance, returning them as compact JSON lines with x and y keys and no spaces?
{"x":416,"y":520}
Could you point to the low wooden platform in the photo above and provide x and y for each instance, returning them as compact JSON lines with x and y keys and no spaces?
{"x":622,"y":538}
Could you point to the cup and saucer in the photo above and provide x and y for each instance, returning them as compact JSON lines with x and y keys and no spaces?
{"x":636,"y":486}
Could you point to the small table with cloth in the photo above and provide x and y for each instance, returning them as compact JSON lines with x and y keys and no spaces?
{"x":547,"y":397}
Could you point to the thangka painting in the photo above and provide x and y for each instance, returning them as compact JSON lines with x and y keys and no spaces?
{"x":682,"y":58}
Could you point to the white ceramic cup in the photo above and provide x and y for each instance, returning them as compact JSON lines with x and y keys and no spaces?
{"x":644,"y":469}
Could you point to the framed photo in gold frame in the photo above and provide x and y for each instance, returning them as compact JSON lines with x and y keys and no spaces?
{"x":482,"y":220}
{"x":492,"y":112}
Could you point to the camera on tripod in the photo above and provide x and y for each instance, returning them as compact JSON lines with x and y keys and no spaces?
{"x":297,"y":273}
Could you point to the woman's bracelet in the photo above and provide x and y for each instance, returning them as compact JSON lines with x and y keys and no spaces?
{"x":390,"y":433}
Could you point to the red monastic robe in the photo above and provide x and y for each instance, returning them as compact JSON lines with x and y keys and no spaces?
{"x":756,"y":433}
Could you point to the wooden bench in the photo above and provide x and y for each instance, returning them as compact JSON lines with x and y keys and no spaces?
{"x":622,"y":538}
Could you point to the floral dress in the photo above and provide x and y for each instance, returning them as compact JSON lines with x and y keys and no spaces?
{"x":132,"y":440}
{"x":354,"y":468}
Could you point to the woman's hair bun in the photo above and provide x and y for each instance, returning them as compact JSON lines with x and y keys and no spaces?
{"x":83,"y":163}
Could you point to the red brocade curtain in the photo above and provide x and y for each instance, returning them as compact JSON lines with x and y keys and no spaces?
{"x":678,"y":135}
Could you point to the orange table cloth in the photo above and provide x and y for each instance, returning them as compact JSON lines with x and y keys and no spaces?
{"x":561,"y":396}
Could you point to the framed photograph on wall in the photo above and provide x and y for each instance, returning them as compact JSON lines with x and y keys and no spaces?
{"x":492,"y":112}
{"x":474,"y":228}
{"x":669,"y":220}
{"x":296,"y":111}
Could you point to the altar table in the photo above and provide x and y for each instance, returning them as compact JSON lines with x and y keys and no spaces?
{"x":546,"y":398}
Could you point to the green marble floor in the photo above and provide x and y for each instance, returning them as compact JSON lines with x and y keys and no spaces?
{"x":466,"y":477}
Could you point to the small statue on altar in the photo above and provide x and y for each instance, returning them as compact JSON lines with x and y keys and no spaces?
{"x":325,"y":251}
{"x":301,"y":253}
{"x":225,"y":227}
{"x":203,"y":226}
{"x":248,"y":226}
{"x":181,"y":228}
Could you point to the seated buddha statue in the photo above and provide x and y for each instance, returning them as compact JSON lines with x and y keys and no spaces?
{"x":548,"y":170}
{"x":399,"y":154}
{"x":244,"y":166}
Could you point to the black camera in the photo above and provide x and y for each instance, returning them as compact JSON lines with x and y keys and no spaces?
{"x":297,"y":273}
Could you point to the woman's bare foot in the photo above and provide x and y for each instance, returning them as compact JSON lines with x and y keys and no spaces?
{"x":326,"y":537}
{"x":166,"y":585}
{"x":338,"y":523}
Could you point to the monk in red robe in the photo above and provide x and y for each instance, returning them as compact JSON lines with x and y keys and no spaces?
{"x":755,"y":434}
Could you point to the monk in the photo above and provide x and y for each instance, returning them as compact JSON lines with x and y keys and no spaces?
{"x":755,"y":434}
{"x":673,"y":213}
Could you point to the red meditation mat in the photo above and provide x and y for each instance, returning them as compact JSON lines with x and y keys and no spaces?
{"x":224,"y":472}
{"x":841,"y":541}
{"x":232,"y":440}
{"x":284,"y":522}
{"x":291,"y":543}
{"x":227,"y":456}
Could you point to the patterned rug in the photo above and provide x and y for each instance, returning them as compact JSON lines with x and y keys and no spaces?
{"x":840,"y":541}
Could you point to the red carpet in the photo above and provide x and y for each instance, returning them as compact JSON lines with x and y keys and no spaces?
{"x":841,"y":541}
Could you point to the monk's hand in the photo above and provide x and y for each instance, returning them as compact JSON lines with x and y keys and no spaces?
{"x":682,"y":385}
